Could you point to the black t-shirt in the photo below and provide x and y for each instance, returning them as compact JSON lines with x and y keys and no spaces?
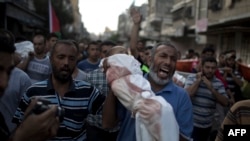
{"x":4,"y":131}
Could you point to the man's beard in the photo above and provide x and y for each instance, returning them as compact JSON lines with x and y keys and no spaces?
{"x":155,"y":78}
{"x":60,"y":77}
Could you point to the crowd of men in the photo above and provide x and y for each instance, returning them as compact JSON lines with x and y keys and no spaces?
{"x":65,"y":75}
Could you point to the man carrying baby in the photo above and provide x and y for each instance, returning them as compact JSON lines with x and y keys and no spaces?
{"x":162,"y":68}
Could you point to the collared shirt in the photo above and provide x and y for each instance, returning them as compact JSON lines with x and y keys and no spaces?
{"x":177,"y":97}
{"x":39,"y":69}
{"x":98,"y":79}
{"x":81,"y":100}
{"x":204,"y":102}
{"x":230,"y":81}
{"x":87,"y":66}
{"x":18,"y":83}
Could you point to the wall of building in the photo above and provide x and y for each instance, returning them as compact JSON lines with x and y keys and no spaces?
{"x":239,"y":10}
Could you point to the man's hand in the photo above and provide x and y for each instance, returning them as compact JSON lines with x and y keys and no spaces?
{"x":136,"y":16}
{"x":207,"y":82}
{"x":199,"y":76}
{"x":37,"y":127}
{"x":31,"y":55}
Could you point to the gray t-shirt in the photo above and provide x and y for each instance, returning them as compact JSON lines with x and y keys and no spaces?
{"x":39,"y":69}
{"x":18,"y":83}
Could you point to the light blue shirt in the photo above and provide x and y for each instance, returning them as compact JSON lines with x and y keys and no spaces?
{"x":178,"y":99}
{"x":87,"y":67}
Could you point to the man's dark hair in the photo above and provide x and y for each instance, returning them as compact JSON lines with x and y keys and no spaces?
{"x":148,"y":47}
{"x":39,"y":34}
{"x":91,"y":43}
{"x":209,"y":59}
{"x":208,"y":48}
{"x":190,"y":51}
{"x":51,"y":35}
{"x":66,"y":42}
{"x":20,"y":39}
{"x":142,"y":41}
{"x":169,"y":44}
{"x":107,"y":43}
{"x":7,"y":41}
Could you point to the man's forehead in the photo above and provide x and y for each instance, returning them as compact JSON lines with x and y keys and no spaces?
{"x":53,"y":39}
{"x":166,"y":49}
{"x":208,"y":63}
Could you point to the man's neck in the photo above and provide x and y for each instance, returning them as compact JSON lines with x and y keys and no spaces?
{"x":154,"y":86}
{"x":40,"y":56}
{"x":60,"y":88}
{"x":93,"y":61}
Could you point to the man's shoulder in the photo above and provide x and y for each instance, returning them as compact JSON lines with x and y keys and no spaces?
{"x":20,"y":73}
{"x":241,"y":105}
{"x":173,"y":88}
{"x":217,"y":81}
{"x":191,"y":76}
{"x":38,"y":85}
{"x":83,"y":62}
{"x":81,"y":84}
{"x":97,"y":73}
{"x":179,"y":90}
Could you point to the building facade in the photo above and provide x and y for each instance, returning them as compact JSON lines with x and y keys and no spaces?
{"x":20,"y":17}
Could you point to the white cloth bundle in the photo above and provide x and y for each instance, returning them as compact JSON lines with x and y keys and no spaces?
{"x":23,"y":48}
{"x":155,"y":119}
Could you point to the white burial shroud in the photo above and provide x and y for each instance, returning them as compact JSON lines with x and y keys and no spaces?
{"x":155,"y":119}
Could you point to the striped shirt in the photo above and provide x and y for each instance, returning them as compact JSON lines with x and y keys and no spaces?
{"x":231,"y":83}
{"x":204,"y":102}
{"x":81,"y":100}
{"x":239,"y":114}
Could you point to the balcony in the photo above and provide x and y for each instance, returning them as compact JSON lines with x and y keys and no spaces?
{"x":155,"y":20}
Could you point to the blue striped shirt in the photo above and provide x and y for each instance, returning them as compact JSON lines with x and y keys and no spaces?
{"x":232,"y":85}
{"x":81,"y":100}
{"x":204,"y":102}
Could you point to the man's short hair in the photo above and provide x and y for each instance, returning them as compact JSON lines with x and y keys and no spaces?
{"x":7,"y":41}
{"x":66,"y":42}
{"x":208,"y":48}
{"x":91,"y":43}
{"x":190,"y":51}
{"x":208,"y":59}
{"x":148,"y":47}
{"x":51,"y":35}
{"x":39,"y":34}
{"x":167,"y":43}
{"x":107,"y":43}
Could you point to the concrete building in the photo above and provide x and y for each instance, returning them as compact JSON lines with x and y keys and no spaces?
{"x":77,"y":27}
{"x":222,"y":23}
{"x":159,"y":18}
{"x":229,"y":26}
{"x":20,"y":17}
{"x":125,"y":23}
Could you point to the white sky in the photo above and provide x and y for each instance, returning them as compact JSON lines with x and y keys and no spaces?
{"x":98,"y":14}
